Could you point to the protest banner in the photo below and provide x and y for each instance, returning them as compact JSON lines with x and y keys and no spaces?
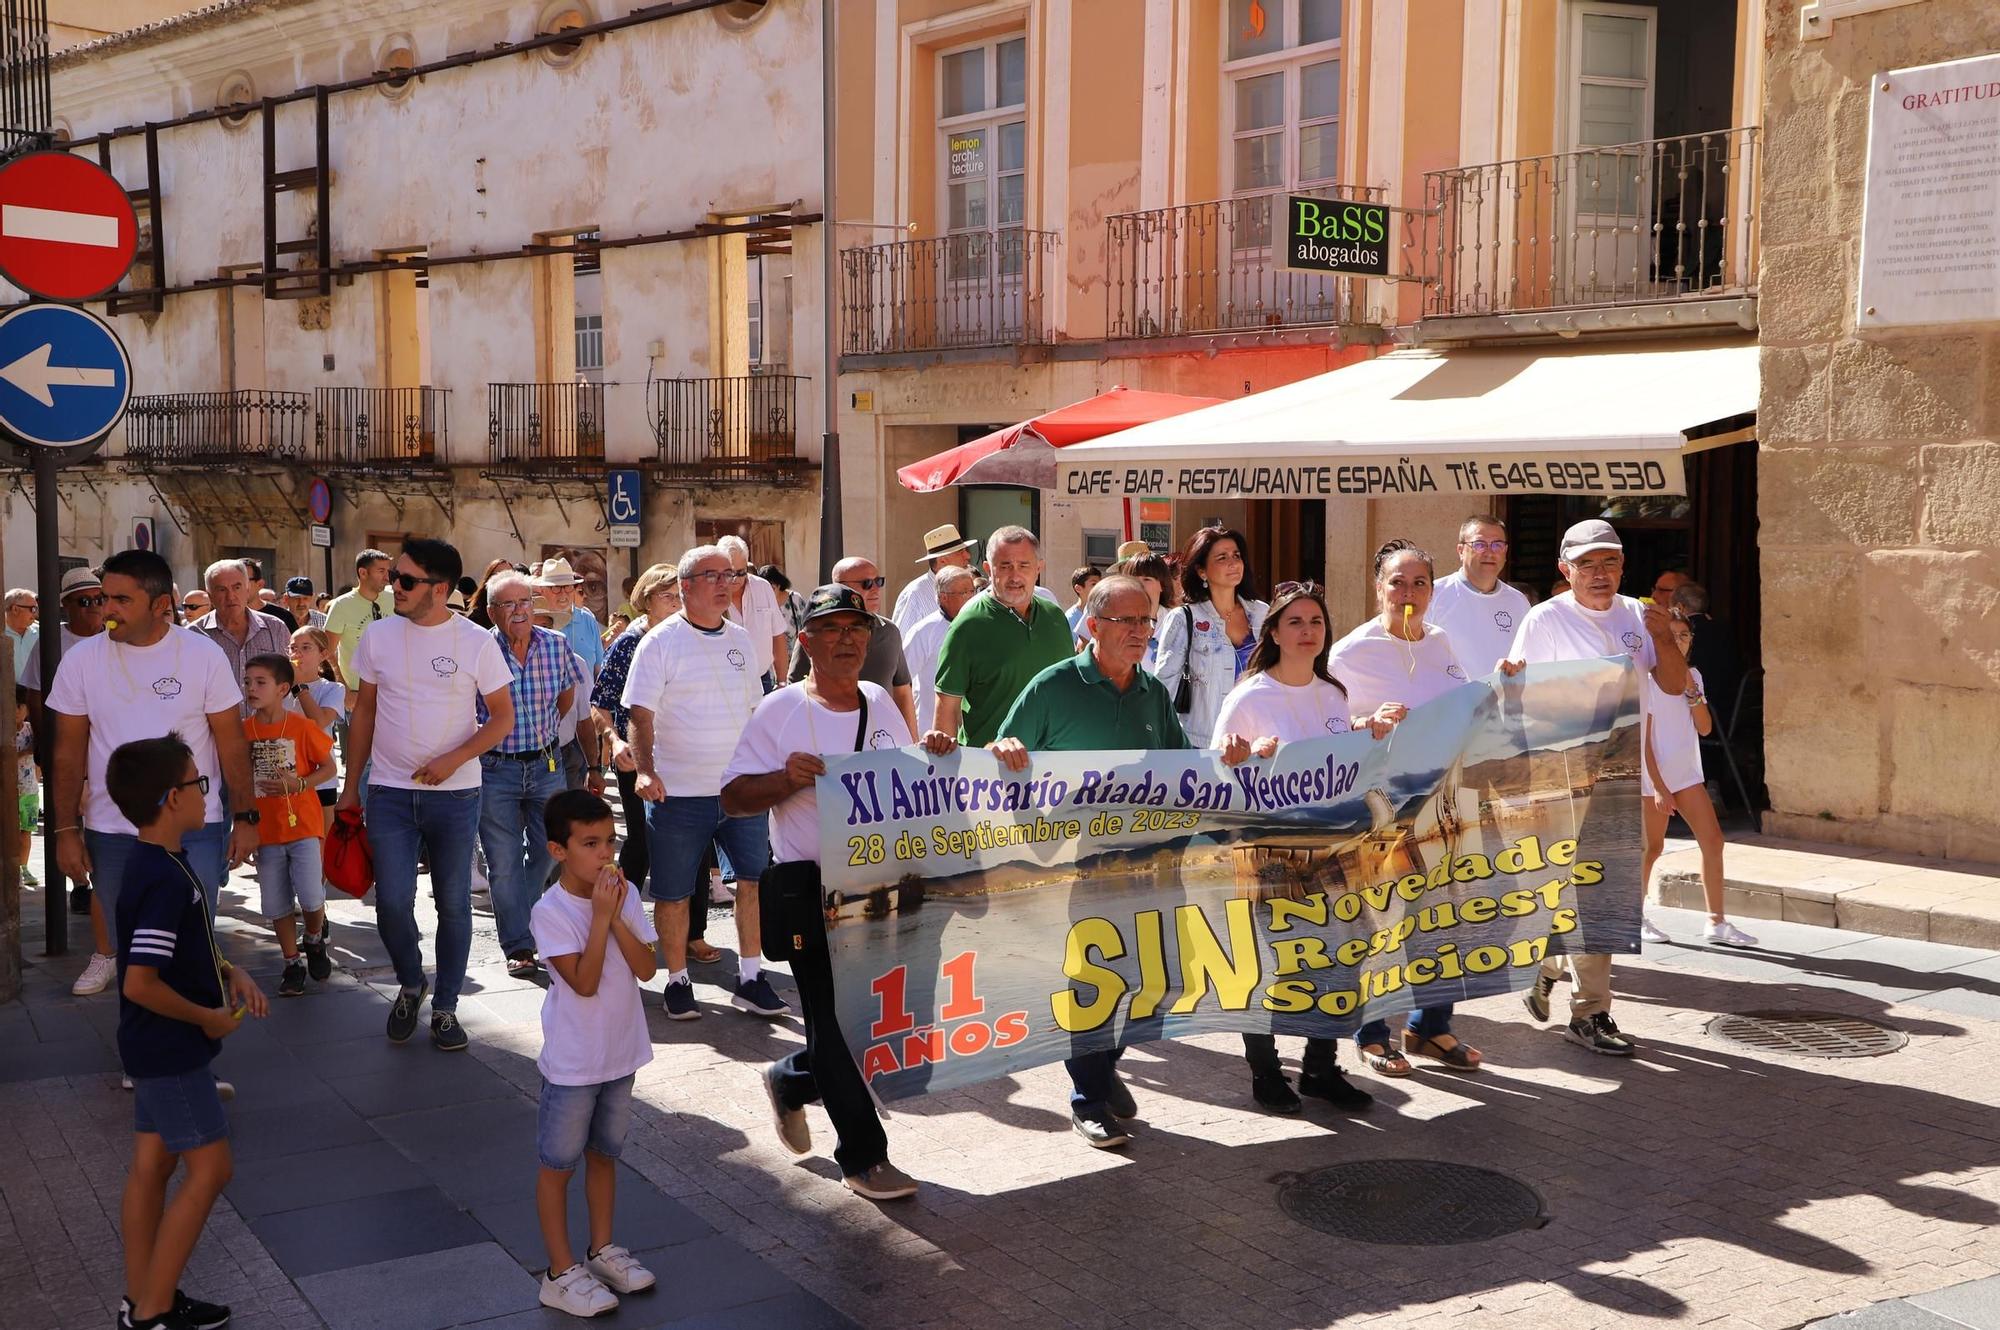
{"x":982,"y":921}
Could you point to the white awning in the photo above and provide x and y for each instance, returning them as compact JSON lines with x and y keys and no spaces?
{"x":1542,"y":420}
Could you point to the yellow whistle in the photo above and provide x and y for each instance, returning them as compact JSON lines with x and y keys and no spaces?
{"x":1408,"y":610}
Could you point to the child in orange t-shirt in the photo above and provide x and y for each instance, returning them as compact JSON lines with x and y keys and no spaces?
{"x":289,"y":755}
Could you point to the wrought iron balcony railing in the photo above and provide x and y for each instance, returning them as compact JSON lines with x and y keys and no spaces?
{"x":739,"y":428}
{"x":1215,"y":267}
{"x":247,"y":425}
{"x":544,"y":428}
{"x":1664,"y":220}
{"x":975,"y":288}
{"x":379,"y":428}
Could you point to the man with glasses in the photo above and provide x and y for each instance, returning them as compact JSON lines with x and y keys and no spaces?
{"x":1479,"y":613}
{"x":145,"y":677}
{"x":351,"y":614}
{"x":420,"y":677}
{"x":23,"y":632}
{"x":885,"y":666}
{"x":1091,"y":701}
{"x":517,"y":778}
{"x":753,"y":603}
{"x":999,"y":641}
{"x":235,"y":624}
{"x":690,"y":691}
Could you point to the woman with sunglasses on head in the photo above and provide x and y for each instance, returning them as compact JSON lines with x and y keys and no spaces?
{"x":1206,"y":643}
{"x":1287,"y":694}
{"x":1390,"y":664}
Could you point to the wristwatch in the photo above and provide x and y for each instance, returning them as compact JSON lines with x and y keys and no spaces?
{"x":251,"y":816}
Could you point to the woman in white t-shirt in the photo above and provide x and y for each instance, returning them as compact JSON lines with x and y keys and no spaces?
{"x":1674,"y":725}
{"x":1285,"y":695}
{"x":1392,"y":663}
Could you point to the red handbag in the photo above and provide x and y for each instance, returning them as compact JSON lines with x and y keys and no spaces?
{"x":349,"y":863}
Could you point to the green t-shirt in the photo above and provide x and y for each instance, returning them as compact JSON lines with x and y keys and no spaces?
{"x":347,"y":617}
{"x":1071,"y":706}
{"x":990,"y":653}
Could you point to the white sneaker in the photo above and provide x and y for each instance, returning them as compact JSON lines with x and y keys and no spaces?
{"x":96,"y":976}
{"x":617,"y":1269}
{"x":577,"y":1292}
{"x":1726,"y":934}
{"x":1650,"y":931}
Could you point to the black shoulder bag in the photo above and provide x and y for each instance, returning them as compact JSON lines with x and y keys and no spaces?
{"x":790,"y":893}
{"x":1184,"y":694}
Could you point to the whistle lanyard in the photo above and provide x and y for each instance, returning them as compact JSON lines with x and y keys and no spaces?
{"x":207,"y":927}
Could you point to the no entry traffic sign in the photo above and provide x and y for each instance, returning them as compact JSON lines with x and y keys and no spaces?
{"x":67,"y":229}
{"x":64,"y":376}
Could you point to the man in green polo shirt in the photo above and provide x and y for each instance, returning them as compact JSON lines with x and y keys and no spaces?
{"x":999,"y":641}
{"x":1095,"y":700}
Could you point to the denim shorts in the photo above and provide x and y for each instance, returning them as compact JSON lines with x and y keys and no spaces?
{"x":184,"y":1111}
{"x":289,"y":873}
{"x":679,"y":830}
{"x":574,"y":1116}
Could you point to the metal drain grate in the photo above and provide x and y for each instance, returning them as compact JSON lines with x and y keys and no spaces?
{"x":1411,"y":1202}
{"x":1810,"y":1034}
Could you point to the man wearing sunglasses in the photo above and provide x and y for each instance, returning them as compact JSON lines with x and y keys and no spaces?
{"x":885,"y":666}
{"x":22,"y":630}
{"x":1479,"y":613}
{"x":353,"y":613}
{"x":420,"y":677}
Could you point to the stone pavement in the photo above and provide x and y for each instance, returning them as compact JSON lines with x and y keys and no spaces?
{"x":1969,"y":1306}
{"x":1839,"y":886}
{"x":1699,"y":1184}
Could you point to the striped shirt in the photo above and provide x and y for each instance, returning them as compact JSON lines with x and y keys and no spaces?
{"x":537,"y":688}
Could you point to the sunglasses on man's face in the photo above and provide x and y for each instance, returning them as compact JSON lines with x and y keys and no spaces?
{"x":408,"y":583}
{"x":867,"y":583}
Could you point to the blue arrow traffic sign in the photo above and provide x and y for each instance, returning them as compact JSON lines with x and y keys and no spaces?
{"x":64,"y":376}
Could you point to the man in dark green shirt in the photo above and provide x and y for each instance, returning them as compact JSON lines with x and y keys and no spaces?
{"x":1100,"y":699}
{"x":999,"y":641}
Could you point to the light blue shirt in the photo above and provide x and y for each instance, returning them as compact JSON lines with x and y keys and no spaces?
{"x":586,"y":637}
{"x":24,"y":646}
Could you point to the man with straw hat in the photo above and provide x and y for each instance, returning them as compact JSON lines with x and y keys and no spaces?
{"x":943,"y":548}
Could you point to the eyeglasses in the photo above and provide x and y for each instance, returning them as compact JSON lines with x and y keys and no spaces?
{"x":200,"y":782}
{"x":1143,"y":622}
{"x":867,"y":583}
{"x":409,"y":583}
{"x":510,"y":606}
{"x":28,"y":605}
{"x":714,"y":578}
{"x":90,"y":602}
{"x":1485,"y":546}
{"x":842,"y":632}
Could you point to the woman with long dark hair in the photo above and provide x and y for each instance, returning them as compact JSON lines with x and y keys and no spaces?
{"x":1287,"y":694}
{"x":1206,"y":643}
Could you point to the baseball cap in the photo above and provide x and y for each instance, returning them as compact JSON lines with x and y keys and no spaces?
{"x":1584,"y":537}
{"x":78,"y":579}
{"x":299,"y":586}
{"x":833,"y":598}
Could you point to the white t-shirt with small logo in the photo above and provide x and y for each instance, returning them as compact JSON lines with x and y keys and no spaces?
{"x":1481,"y":625}
{"x":1376,"y":668}
{"x":1261,"y":707}
{"x":129,"y":693}
{"x":603,"y":1037}
{"x":762,"y":617}
{"x":1561,"y":629}
{"x":701,"y":688}
{"x":426,"y":683}
{"x":789,"y":722}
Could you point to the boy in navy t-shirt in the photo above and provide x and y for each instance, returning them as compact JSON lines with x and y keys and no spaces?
{"x":172,"y":1016}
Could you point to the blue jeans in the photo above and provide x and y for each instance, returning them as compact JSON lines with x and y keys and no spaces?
{"x":1428,"y":1022}
{"x":207,"y":851}
{"x":443,"y":823}
{"x":572,"y":1118}
{"x":512,"y":796}
{"x":1091,"y":1078}
{"x":184,"y":1111}
{"x":678,"y":831}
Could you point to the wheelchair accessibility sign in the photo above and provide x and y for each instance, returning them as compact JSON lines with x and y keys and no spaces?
{"x":621,"y":508}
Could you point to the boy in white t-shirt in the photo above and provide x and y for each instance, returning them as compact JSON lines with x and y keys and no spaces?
{"x":598,"y":945}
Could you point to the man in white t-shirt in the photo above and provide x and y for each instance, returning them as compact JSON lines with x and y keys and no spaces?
{"x":693,"y":683}
{"x":1478,"y":611}
{"x":1591,"y":620}
{"x":145,"y":677}
{"x":829,"y":712}
{"x":943,"y":548}
{"x":753,"y":604}
{"x":415,"y":731}
{"x":924,"y":643}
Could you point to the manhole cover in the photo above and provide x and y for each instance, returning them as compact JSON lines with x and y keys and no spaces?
{"x":1810,"y":1034}
{"x":1411,"y":1202}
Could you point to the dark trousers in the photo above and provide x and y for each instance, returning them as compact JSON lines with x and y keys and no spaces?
{"x":1091,"y":1078}
{"x":635,"y":857}
{"x":1261,"y":1052}
{"x":824,"y":1071}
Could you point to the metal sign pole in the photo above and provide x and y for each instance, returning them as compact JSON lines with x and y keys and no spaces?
{"x":55,"y":906}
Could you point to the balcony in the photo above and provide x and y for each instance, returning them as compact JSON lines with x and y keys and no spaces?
{"x":974,"y":289}
{"x":739,"y":428}
{"x":1204,"y":268}
{"x":385,"y":429}
{"x":1657,"y":234}
{"x":193,"y":430}
{"x":544,"y":429}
